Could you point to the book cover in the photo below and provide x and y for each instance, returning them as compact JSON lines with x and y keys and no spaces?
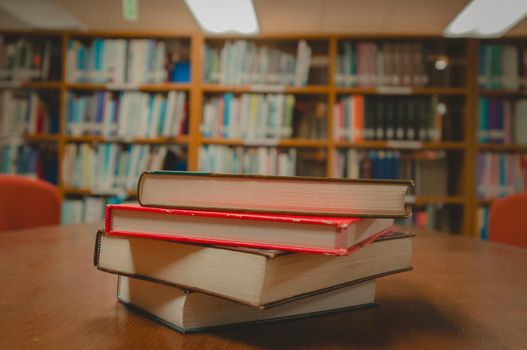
{"x":336,"y":226}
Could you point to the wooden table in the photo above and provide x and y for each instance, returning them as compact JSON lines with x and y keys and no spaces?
{"x":462,"y":294}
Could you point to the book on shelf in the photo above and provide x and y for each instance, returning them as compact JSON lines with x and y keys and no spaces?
{"x":263,"y":278}
{"x":249,"y":160}
{"x":483,"y":222}
{"x":499,"y":67}
{"x":127,"y":114}
{"x":314,"y":234}
{"x":502,"y":121}
{"x":107,"y":166}
{"x":248,"y":116}
{"x":121,"y":61}
{"x":367,"y":63}
{"x":429,"y":170}
{"x":435,"y":217}
{"x":263,"y":116}
{"x":89,"y":209}
{"x":500,"y":174}
{"x":28,"y":160}
{"x":358,"y":118}
{"x":274,"y":194}
{"x":243,"y":62}
{"x":23,"y":59}
{"x":190,"y":311}
{"x":27,"y":112}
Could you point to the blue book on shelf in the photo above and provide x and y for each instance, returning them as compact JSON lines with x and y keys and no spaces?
{"x":502,"y":175}
{"x":99,"y":54}
{"x":99,"y":110}
{"x":500,"y":135}
{"x":226,"y":114}
{"x":483,"y":130}
{"x":181,"y":72}
{"x":149,"y":116}
{"x":162,"y":116}
{"x":32,"y":161}
{"x":70,"y":108}
{"x":51,"y":167}
{"x":54,"y":122}
{"x":81,"y":64}
{"x":374,"y":164}
{"x":485,"y":228}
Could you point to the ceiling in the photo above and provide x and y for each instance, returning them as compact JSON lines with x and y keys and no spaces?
{"x":276,"y":16}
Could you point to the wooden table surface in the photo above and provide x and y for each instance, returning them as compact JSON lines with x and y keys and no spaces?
{"x":463,"y":294}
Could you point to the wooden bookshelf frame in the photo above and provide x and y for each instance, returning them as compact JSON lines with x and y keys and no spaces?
{"x":197,"y":89}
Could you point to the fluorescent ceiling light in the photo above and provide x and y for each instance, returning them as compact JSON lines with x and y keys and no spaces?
{"x":222,"y":16}
{"x":487,"y":18}
{"x":41,"y":14}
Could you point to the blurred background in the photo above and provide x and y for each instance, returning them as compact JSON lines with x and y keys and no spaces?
{"x":93,"y":93}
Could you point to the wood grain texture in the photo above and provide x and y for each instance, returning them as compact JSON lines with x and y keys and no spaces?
{"x":463,"y":294}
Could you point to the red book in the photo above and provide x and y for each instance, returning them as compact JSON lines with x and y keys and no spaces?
{"x":309,"y":234}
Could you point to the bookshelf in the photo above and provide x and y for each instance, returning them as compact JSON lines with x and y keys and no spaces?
{"x":500,"y":145}
{"x":455,"y":86}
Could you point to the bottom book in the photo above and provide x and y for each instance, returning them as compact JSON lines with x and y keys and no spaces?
{"x":188,"y":311}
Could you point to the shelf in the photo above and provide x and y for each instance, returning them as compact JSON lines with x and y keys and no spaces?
{"x":30,"y":85}
{"x":402,"y":145}
{"x":424,"y":200}
{"x":155,"y":140}
{"x":31,"y":138}
{"x":161,"y":87}
{"x":41,"y":137}
{"x":302,"y":143}
{"x":502,"y":92}
{"x":102,"y":192}
{"x":257,"y":88}
{"x":502,"y":147}
{"x":401,"y":90}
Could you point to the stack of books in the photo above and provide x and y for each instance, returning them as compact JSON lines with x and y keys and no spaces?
{"x":210,"y":250}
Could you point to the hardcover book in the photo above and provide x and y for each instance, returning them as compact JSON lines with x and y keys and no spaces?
{"x":313,"y":234}
{"x":316,"y":196}
{"x":188,"y":311}
{"x":261,"y":278}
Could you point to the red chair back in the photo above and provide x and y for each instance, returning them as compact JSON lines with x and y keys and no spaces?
{"x":26,"y":203}
{"x":508,"y":220}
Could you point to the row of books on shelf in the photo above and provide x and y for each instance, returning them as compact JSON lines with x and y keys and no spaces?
{"x":35,"y":162}
{"x":89,"y":209}
{"x":501,"y":174}
{"x":107,"y":167}
{"x":386,"y":64}
{"x":253,"y":160}
{"x":121,"y":61}
{"x":27,"y":112}
{"x":127,"y":114}
{"x":242,"y":62}
{"x":388,"y":118}
{"x":428,"y":169}
{"x":259,"y":116}
{"x":502,"y":121}
{"x":435,"y":217}
{"x":501,"y":67}
{"x":29,"y":59}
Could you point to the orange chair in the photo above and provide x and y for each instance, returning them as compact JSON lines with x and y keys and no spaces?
{"x":26,"y":203}
{"x":508,"y":220}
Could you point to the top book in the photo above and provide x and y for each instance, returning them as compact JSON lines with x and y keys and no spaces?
{"x":273,"y":194}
